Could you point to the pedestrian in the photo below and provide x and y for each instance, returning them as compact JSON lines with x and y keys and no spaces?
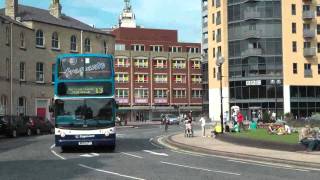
{"x":166,"y":124}
{"x":240,"y":120}
{"x":137,"y":117}
{"x":203,"y":125}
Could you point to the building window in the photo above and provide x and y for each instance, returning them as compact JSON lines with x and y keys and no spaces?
{"x":179,"y":93}
{"x":120,"y":47}
{"x":73,"y":43}
{"x":294,"y":46}
{"x":318,"y":68}
{"x":294,"y":28}
{"x":122,"y":93}
{"x":8,"y":68}
{"x":218,"y":3}
{"x":318,"y":29}
{"x":213,"y":18}
{"x":293,"y":9}
{"x":122,"y":62}
{"x":196,"y":93}
{"x":105,"y":47}
{"x":196,"y":79}
{"x":7,"y":35}
{"x":318,"y":10}
{"x":213,"y":35}
{"x":39,"y":72}
{"x":218,"y":18}
{"x":160,"y":93}
{"x":196,"y":64}
{"x":55,"y":41}
{"x":318,"y":45}
{"x":122,"y":77}
{"x":218,"y":35}
{"x":141,"y":78}
{"x":137,"y":47}
{"x":179,"y":78}
{"x":175,"y":49}
{"x":214,"y":52}
{"x":160,"y":63}
{"x":39,"y":38}
{"x":3,"y":105}
{"x":22,"y":108}
{"x":160,"y":78}
{"x":179,"y":64}
{"x":295,"y":68}
{"x":193,"y":50}
{"x":22,"y":40}
{"x":22,"y":71}
{"x":141,"y":93}
{"x":156,"y":48}
{"x":87,"y":45}
{"x":307,"y":70}
{"x":141,"y":63}
{"x":214,"y":72}
{"x":53,"y":66}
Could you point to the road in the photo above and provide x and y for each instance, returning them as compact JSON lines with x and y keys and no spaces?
{"x":134,"y":158}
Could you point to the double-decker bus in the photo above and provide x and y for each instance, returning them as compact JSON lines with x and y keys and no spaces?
{"x":84,"y":103}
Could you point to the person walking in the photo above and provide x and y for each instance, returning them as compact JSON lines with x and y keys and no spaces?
{"x":203,"y":125}
{"x":240,"y":120}
{"x":166,"y":124}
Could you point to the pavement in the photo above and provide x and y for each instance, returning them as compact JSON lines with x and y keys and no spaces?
{"x":132,"y":124}
{"x":215,"y":146}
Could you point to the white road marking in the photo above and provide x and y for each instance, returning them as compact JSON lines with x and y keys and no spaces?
{"x":271,"y":165}
{"x":59,"y":156}
{"x":90,"y":155}
{"x":152,"y":143}
{"x":109,"y":172}
{"x":201,"y":169}
{"x":132,"y":155}
{"x":155,"y":153}
{"x":53,"y":145}
{"x":188,"y":153}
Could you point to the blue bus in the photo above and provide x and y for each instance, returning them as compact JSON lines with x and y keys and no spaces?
{"x":84,"y":102}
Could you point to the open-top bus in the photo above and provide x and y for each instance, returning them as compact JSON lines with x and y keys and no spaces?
{"x":84,"y":103}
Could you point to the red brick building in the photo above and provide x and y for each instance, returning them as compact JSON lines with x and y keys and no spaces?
{"x":155,"y":73}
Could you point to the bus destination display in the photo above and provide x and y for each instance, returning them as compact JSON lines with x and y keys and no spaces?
{"x":85,"y":90}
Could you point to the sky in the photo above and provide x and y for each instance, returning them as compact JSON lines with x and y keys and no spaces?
{"x":182,"y":15}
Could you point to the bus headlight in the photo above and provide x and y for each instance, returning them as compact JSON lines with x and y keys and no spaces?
{"x":107,"y":133}
{"x":63,"y":134}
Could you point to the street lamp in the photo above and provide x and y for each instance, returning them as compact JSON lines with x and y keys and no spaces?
{"x":219,"y":63}
{"x":276,"y":83}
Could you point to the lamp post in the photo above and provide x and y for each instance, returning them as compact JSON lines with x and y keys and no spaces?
{"x":219,"y":63}
{"x":276,"y":83}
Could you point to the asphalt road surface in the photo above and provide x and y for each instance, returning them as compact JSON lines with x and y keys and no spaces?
{"x":134,"y":158}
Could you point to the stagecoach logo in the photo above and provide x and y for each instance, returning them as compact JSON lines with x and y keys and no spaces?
{"x":84,"y":136}
{"x":79,"y":71}
{"x":73,"y":61}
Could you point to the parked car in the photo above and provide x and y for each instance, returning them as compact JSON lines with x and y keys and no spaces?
{"x":13,"y":126}
{"x":39,"y":125}
{"x":173,"y":119}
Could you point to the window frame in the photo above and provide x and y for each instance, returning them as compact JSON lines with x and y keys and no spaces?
{"x":22,"y":71}
{"x":39,"y":72}
{"x":87,"y":45}
{"x":40,"y":39}
{"x":73,"y":43}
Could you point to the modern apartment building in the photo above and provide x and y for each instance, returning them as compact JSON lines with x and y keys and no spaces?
{"x":30,"y":40}
{"x":204,"y":57}
{"x":155,"y":74}
{"x":271,"y":55}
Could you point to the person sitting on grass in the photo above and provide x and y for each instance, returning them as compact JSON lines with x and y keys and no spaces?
{"x":253,"y":125}
{"x":308,"y":138}
{"x":287,"y":128}
{"x":272,"y":129}
{"x":281,"y":131}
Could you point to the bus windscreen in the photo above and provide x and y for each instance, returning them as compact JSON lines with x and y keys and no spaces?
{"x":84,"y":68}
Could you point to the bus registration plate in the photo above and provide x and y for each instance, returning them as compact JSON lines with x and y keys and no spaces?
{"x":86,"y":143}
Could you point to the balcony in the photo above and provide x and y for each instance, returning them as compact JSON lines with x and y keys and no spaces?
{"x":205,"y":24}
{"x":309,"y":33}
{"x":309,"y":52}
{"x":308,"y":14}
{"x":252,"y":52}
{"x":252,"y":14}
{"x":252,"y":34}
{"x":205,"y":41}
{"x":307,"y":73}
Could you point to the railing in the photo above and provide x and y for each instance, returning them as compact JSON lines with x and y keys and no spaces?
{"x":252,"y":52}
{"x":307,"y":73}
{"x":309,"y":52}
{"x":252,"y":14}
{"x":308,"y":14}
{"x":309,"y":33}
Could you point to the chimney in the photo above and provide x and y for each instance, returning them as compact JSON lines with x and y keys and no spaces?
{"x":11,"y":8}
{"x":55,"y":8}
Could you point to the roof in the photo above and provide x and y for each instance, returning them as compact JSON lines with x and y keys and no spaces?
{"x":7,"y":19}
{"x":28,"y":13}
{"x":154,"y":35}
